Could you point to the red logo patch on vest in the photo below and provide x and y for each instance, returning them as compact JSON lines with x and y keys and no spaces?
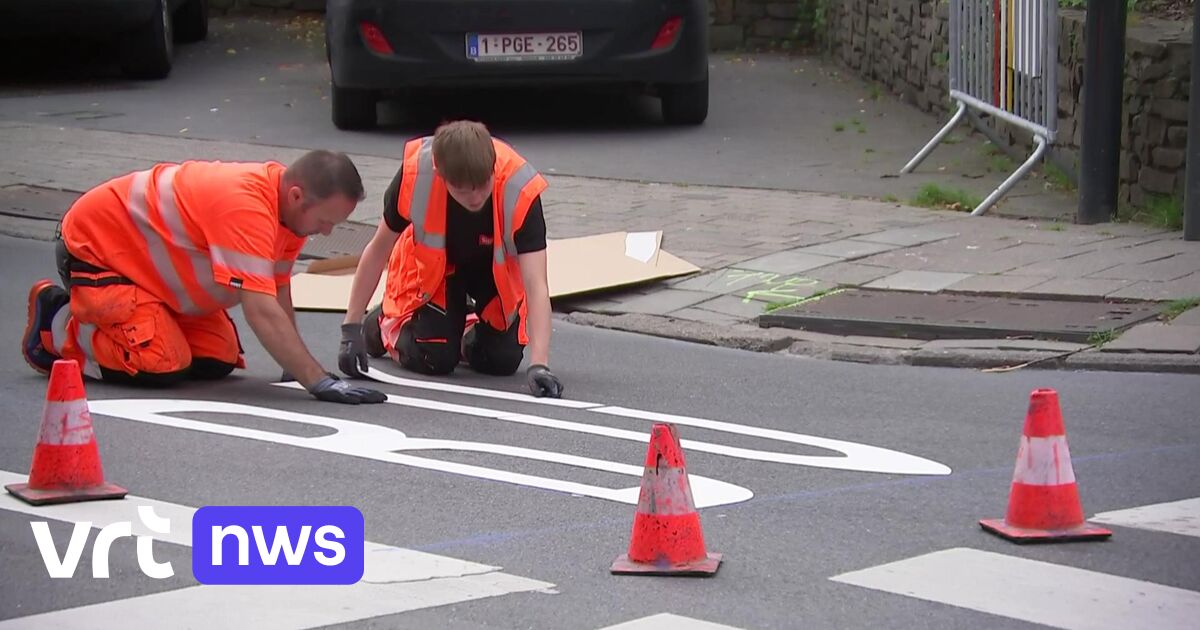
{"x":484,"y":239}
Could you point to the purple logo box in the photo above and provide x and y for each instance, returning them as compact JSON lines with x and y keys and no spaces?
{"x":277,"y":545}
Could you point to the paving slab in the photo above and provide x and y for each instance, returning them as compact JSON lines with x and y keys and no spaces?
{"x":848,"y":249}
{"x":1078,"y":287}
{"x":1185,"y":287}
{"x":1170,"y":268}
{"x":733,"y":306}
{"x":788,"y":262}
{"x":926,"y":281}
{"x":1157,"y":337}
{"x":906,"y":237}
{"x":847,"y":273}
{"x":1190,"y":317}
{"x":661,"y":302}
{"x":993,"y":283}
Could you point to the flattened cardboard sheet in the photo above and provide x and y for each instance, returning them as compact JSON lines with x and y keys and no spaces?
{"x":575,"y":265}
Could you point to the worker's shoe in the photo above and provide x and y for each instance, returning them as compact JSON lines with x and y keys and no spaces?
{"x":37,"y":345}
{"x":468,"y":338}
{"x":372,"y":334}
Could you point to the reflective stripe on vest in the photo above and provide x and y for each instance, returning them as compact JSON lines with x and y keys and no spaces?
{"x":200,"y":260}
{"x":512,"y":192}
{"x":420,"y":201}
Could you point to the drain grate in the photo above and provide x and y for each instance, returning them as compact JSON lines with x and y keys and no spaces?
{"x":954,"y":316}
{"x":347,"y":239}
{"x":43,"y":204}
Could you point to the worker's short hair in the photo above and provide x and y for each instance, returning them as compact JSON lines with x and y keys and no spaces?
{"x":464,"y":154}
{"x":323,"y":174}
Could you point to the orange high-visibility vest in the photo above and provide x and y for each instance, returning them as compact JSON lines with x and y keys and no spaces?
{"x":417,"y":268}
{"x":189,"y":234}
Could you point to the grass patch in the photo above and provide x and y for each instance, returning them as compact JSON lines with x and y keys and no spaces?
{"x":1058,"y":178}
{"x":951,"y":139}
{"x":1178,"y":307}
{"x":1101,"y":337}
{"x":1056,"y":227}
{"x":891,"y":199}
{"x":875,"y":93}
{"x":934,"y":196}
{"x":839,"y":126}
{"x":858,"y":125}
{"x":1158,"y":211}
{"x":1001,"y":164}
{"x":868,"y":150}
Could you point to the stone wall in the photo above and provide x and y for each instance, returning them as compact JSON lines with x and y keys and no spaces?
{"x":902,"y":45}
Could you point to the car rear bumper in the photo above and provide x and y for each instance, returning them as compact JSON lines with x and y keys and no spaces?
{"x":428,"y":42}
{"x":89,"y":19}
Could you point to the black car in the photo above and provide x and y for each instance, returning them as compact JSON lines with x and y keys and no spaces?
{"x":376,"y":46}
{"x":143,"y":32}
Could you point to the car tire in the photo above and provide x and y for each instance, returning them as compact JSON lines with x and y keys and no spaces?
{"x":191,"y":21}
{"x":147,"y":52}
{"x":353,"y":109}
{"x":684,"y":103}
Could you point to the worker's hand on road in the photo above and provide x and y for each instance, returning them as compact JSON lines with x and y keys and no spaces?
{"x":334,"y":389}
{"x":542,"y":382}
{"x":352,"y":354}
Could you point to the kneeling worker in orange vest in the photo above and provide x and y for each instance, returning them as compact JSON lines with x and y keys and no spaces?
{"x":467,"y":212}
{"x":152,"y":259}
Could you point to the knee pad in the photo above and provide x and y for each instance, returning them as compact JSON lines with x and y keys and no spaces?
{"x":206,"y":369}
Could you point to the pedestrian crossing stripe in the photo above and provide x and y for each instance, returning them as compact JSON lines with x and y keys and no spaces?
{"x":1033,"y":591}
{"x":396,"y":580}
{"x":1176,"y":517}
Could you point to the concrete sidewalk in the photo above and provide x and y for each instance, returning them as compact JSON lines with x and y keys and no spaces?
{"x":759,"y":249}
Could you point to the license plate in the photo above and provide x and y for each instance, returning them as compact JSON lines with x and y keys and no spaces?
{"x":524,"y":46}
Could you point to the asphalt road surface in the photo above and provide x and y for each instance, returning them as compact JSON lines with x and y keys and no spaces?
{"x":498,"y":551}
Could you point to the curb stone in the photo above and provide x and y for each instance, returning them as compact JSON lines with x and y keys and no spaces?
{"x":745,"y":337}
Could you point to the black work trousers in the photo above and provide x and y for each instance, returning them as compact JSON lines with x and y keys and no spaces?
{"x":432,"y":341}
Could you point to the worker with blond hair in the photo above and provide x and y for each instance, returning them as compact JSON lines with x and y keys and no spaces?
{"x":463,"y":238}
{"x":151,"y":261}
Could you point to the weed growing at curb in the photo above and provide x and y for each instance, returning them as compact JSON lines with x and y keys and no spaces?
{"x":1178,"y":307}
{"x":934,"y":196}
{"x":1158,"y":211}
{"x":1058,"y":178}
{"x":1101,"y":337}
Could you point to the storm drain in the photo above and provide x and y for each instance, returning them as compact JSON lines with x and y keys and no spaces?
{"x":346,"y":239}
{"x":30,"y":202}
{"x":911,"y":315}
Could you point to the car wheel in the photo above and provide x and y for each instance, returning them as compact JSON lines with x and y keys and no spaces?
{"x":684,"y":103}
{"x":191,"y":21}
{"x":353,"y":109}
{"x":146,"y":53}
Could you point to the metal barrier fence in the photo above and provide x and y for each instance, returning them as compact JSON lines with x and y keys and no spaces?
{"x":1003,"y":61}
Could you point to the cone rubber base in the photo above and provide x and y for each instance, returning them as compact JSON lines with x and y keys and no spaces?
{"x":1020,"y":535}
{"x":703,"y":568}
{"x":65,"y":495}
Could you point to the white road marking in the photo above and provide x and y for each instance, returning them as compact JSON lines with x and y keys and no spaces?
{"x":663,"y":621}
{"x":857,"y":457}
{"x":396,"y":580}
{"x":1038,"y":592}
{"x":371,"y":441}
{"x":1177,"y":517}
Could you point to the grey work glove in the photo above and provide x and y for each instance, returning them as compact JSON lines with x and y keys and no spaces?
{"x":543,"y":383}
{"x":352,"y":353}
{"x":334,"y":389}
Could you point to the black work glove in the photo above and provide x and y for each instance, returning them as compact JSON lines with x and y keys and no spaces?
{"x":352,"y":354}
{"x":334,"y":389}
{"x":542,"y":382}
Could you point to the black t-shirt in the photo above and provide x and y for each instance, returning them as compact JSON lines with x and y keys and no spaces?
{"x":470,"y":235}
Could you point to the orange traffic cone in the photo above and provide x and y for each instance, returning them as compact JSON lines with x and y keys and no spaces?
{"x":66,"y":461}
{"x":1043,"y":505}
{"x":667,"y":539}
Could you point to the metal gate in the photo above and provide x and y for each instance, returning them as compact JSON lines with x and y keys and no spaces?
{"x":1003,"y":61}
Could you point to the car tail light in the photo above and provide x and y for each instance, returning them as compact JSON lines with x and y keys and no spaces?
{"x":667,"y":33}
{"x":374,"y":38}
